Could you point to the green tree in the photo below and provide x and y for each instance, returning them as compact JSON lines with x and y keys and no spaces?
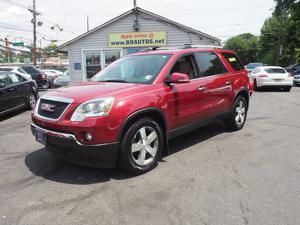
{"x":246,"y":45}
{"x":292,"y":8}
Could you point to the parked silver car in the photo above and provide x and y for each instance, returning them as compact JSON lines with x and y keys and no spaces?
{"x":63,"y":80}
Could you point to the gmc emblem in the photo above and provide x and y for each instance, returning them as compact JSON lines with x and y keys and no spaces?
{"x":48,"y":107}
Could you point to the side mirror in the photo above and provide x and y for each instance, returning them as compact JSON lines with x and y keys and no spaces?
{"x":179,"y":78}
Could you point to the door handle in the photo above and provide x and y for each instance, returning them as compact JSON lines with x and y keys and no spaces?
{"x":229,"y":82}
{"x":202,"y":88}
{"x":12,"y":89}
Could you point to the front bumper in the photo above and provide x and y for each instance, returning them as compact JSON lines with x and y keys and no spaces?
{"x":66,"y":146}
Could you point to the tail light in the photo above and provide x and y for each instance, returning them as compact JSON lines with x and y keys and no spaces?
{"x":43,"y":76}
{"x":263,"y":75}
{"x":290,"y":75}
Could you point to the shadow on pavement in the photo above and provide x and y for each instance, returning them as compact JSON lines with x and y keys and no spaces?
{"x":189,"y":139}
{"x":12,"y":114}
{"x":44,"y":164}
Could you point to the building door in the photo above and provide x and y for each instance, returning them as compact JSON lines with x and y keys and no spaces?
{"x":92,"y":61}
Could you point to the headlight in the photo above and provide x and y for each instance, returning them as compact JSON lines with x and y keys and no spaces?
{"x":93,"y":108}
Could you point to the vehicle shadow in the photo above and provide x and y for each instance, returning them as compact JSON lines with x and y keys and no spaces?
{"x":194,"y":137}
{"x":44,"y":164}
{"x":12,"y":114}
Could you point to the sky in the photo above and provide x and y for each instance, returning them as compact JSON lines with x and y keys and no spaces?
{"x":219,"y":18}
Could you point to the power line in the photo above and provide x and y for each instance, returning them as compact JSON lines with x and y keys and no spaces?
{"x":15,"y":3}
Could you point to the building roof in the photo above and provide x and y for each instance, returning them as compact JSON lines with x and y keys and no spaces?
{"x":138,"y":9}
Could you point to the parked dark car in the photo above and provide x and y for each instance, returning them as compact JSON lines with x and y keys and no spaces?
{"x":16,"y":92}
{"x":37,"y":75}
{"x":294,"y":69}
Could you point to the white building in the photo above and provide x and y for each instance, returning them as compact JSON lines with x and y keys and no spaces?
{"x":130,"y":32}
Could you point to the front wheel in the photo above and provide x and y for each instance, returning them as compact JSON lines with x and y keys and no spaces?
{"x":141,"y":146}
{"x":287,"y":89}
{"x":237,"y":118}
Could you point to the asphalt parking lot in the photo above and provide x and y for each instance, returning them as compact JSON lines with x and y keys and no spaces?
{"x":212,"y":177}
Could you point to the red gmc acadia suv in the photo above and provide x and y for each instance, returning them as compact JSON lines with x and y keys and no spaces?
{"x":126,"y":114}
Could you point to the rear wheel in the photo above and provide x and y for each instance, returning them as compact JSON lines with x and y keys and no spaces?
{"x":141,"y":146}
{"x":237,"y":118}
{"x":31,"y":102}
{"x":46,"y":85}
{"x":255,"y":85}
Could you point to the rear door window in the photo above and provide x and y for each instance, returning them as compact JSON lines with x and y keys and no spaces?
{"x":210,"y":64}
{"x":234,"y":61}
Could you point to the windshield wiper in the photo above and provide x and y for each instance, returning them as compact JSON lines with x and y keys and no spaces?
{"x":114,"y":80}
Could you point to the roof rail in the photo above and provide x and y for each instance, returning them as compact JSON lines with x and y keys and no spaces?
{"x":202,"y":46}
{"x":186,"y":46}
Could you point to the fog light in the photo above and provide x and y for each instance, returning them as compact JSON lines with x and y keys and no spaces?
{"x":88,"y":136}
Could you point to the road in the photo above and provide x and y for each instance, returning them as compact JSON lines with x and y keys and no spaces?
{"x":212,"y":177}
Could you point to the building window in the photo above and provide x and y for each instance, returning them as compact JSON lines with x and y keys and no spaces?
{"x":93,"y":64}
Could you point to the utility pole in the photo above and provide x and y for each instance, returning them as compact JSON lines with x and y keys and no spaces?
{"x":87,"y":24}
{"x":134,"y":4}
{"x":33,"y":21}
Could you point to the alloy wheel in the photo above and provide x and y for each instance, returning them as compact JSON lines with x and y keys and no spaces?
{"x":240,"y":113}
{"x":144,"y":146}
{"x":32,"y":101}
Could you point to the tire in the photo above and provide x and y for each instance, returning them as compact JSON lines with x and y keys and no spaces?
{"x":135,"y":152}
{"x":46,"y":85}
{"x":237,"y":118}
{"x":255,"y":85}
{"x":31,"y":101}
{"x":287,"y":89}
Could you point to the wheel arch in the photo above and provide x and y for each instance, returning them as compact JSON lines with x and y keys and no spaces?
{"x":154,"y":113}
{"x":245,"y":92}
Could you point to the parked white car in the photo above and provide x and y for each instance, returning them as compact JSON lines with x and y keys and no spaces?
{"x":272,"y":76}
{"x":16,"y":70}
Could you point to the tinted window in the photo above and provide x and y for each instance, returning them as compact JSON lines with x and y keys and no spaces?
{"x":234,"y":61}
{"x":31,"y":70}
{"x":186,"y":65}
{"x":5,"y":69}
{"x":275,"y":70}
{"x":133,"y":69}
{"x":210,"y":64}
{"x":20,"y":70}
{"x":14,"y":78}
{"x":4,"y":80}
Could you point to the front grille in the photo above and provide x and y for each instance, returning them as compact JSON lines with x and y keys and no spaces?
{"x":51,"y":109}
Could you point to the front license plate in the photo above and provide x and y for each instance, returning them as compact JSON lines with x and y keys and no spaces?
{"x":40,"y":136}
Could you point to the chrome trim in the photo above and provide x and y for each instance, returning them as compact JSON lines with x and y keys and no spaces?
{"x":65,"y":136}
{"x":57,"y":98}
{"x":52,"y":98}
{"x":13,"y":108}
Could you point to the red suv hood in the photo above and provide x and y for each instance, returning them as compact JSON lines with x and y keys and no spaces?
{"x":82,"y":92}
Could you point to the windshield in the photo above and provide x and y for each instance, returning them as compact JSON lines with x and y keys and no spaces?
{"x":254,"y":65}
{"x":133,"y":69}
{"x":275,"y":70}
